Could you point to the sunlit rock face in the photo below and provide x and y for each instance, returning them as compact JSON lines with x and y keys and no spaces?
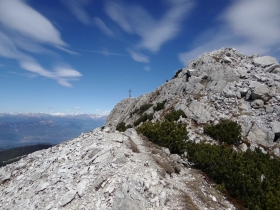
{"x":102,"y":170}
{"x":223,"y":84}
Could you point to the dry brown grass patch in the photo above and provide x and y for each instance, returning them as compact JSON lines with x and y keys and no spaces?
{"x":165,"y":165}
{"x":187,"y":201}
{"x":132,"y":145}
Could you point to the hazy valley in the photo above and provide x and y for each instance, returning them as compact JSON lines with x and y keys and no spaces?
{"x":20,"y":129}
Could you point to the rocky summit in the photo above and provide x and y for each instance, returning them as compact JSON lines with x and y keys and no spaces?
{"x":222,"y":84}
{"x":108,"y":169}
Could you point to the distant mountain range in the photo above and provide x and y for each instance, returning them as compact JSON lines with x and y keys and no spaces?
{"x":22,"y":129}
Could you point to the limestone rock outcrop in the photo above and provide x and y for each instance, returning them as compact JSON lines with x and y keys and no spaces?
{"x":223,"y":84}
{"x":101,"y":170}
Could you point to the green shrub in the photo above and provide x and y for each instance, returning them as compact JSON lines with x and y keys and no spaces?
{"x":226,"y":131}
{"x":240,"y":173}
{"x":141,"y":110}
{"x":121,"y":127}
{"x":160,"y":105}
{"x":143,"y":118}
{"x":144,"y":108}
{"x":177,"y":73}
{"x":174,"y":115}
{"x":166,"y":134}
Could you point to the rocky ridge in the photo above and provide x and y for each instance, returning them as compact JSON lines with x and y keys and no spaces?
{"x":106,"y":170}
{"x":223,"y":84}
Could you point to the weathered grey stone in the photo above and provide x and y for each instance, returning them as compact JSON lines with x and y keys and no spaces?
{"x":41,"y":186}
{"x":129,"y":199}
{"x":68,"y":197}
{"x":275,"y":126}
{"x":243,"y":147}
{"x":243,"y":91}
{"x":92,"y":152}
{"x":176,"y":157}
{"x":245,"y":126}
{"x":256,"y":76}
{"x":217,"y":86}
{"x":81,"y":186}
{"x":4,"y":176}
{"x":242,"y":72}
{"x":20,"y":165}
{"x":277,"y":109}
{"x":48,"y":207}
{"x":166,"y":150}
{"x":198,"y":112}
{"x":238,"y":95}
{"x":276,"y":130}
{"x":276,"y":152}
{"x":229,"y":94}
{"x":269,"y":109}
{"x":256,"y":104}
{"x":98,"y":182}
{"x":248,"y":95}
{"x":271,"y":68}
{"x":257,"y":136}
{"x":276,"y":71}
{"x":265,"y":61}
{"x":260,"y":91}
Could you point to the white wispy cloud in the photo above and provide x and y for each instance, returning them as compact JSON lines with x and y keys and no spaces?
{"x":18,"y":16}
{"x":25,"y":31}
{"x":250,"y":26}
{"x":8,"y":49}
{"x":62,"y":73}
{"x":104,"y":51}
{"x":103,"y":27}
{"x":77,"y":7}
{"x":256,"y":20}
{"x":147,"y":68}
{"x":119,"y":13}
{"x":153,"y":32}
{"x":138,"y":56}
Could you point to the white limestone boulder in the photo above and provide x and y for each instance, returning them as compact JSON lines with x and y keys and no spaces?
{"x":265,"y":61}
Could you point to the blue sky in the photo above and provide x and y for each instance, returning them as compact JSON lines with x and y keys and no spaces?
{"x":83,"y":56}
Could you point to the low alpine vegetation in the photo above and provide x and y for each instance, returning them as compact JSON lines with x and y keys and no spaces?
{"x":141,"y":110}
{"x":226,"y":131}
{"x":166,"y":134}
{"x":143,"y":118}
{"x":251,"y":176}
{"x":122,"y":127}
{"x":174,"y":115}
{"x":177,"y":73}
{"x":159,"y":106}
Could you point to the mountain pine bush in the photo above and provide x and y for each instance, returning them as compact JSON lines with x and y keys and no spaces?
{"x":166,"y":134}
{"x":177,"y":73}
{"x":240,"y":173}
{"x":175,"y":115}
{"x":143,"y":118}
{"x":122,"y":127}
{"x":226,"y":131}
{"x":141,"y":110}
{"x":159,"y":105}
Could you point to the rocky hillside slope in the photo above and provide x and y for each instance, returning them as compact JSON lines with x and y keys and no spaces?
{"x":223,"y":84}
{"x":102,"y":170}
